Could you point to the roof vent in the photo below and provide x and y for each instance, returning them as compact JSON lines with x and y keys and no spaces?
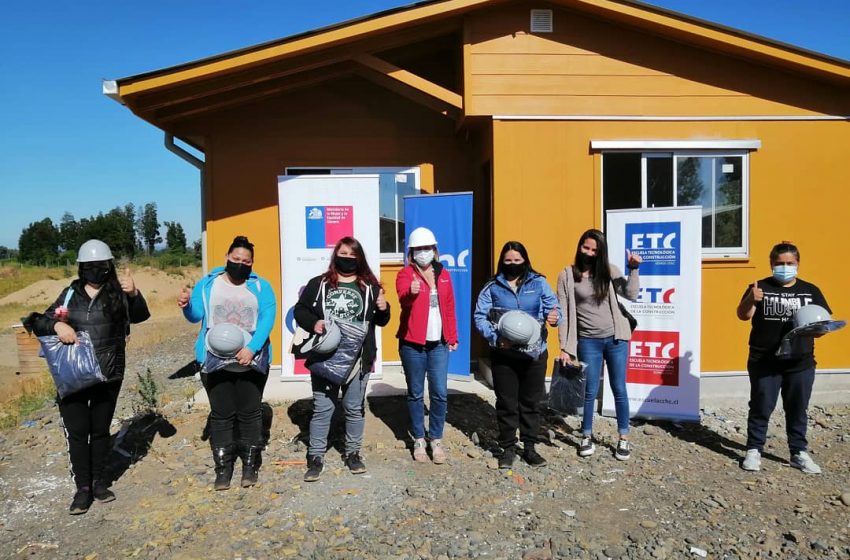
{"x":541,"y":21}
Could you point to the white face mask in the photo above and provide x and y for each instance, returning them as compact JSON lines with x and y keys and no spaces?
{"x":423,"y":257}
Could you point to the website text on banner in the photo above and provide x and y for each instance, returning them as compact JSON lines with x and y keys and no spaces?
{"x":316,"y":211}
{"x":663,"y":370}
{"x":449,"y":216}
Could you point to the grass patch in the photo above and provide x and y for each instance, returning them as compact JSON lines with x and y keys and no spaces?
{"x":17,"y":277}
{"x":35,"y":393}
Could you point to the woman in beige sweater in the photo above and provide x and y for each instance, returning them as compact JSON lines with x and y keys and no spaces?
{"x":595,"y":330}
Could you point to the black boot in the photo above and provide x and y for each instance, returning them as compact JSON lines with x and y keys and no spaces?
{"x":506,"y":459}
{"x":224,"y":458}
{"x":101,"y":492}
{"x":252,"y":460}
{"x":532,"y":457}
{"x":82,"y":501}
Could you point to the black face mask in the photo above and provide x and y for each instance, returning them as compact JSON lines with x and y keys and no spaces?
{"x":514,"y":270}
{"x":346,"y":265}
{"x":94,"y":272}
{"x":238,"y":271}
{"x":586,"y":261}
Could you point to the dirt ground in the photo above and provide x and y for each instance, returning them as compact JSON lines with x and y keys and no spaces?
{"x":682,"y":495}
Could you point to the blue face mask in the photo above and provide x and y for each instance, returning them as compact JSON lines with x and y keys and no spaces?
{"x":784,"y":272}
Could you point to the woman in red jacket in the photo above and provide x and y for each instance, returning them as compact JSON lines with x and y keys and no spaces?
{"x":427,"y":333}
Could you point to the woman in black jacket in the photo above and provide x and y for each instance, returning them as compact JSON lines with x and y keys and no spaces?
{"x":103,"y":305}
{"x":350,"y":292}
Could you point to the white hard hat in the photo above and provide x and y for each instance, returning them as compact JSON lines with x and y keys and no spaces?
{"x":325,"y":343}
{"x":226,"y":339}
{"x":809,"y":314}
{"x":519,"y":327}
{"x":94,"y":250}
{"x":421,"y":237}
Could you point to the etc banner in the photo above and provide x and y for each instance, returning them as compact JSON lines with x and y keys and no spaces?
{"x":663,"y":372}
{"x":315,"y":212}
{"x":449,"y":216}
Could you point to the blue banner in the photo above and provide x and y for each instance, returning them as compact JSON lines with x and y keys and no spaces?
{"x":449,"y":216}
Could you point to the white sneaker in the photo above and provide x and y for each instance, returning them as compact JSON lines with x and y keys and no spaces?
{"x":586,"y":449}
{"x":752,"y":462}
{"x":801,"y":460}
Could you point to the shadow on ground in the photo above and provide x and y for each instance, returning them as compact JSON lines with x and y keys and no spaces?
{"x":133,"y":442}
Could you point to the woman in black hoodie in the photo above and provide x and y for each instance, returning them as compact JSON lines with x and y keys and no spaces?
{"x":103,"y":305}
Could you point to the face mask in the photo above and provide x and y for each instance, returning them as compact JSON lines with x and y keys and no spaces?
{"x":239,"y":272}
{"x":94,"y":273}
{"x":514,"y":270}
{"x":784,"y":272}
{"x":346,"y":265}
{"x":423,"y":257}
{"x":586,"y":261}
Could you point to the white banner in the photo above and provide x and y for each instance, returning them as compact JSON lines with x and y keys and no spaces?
{"x":663,"y":372}
{"x":315,"y":212}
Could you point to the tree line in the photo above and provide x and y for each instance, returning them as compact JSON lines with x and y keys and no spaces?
{"x":128,"y":232}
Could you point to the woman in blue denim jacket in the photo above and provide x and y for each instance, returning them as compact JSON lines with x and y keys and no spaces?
{"x":518,"y":379}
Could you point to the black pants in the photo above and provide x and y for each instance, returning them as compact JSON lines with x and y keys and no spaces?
{"x":765,"y":387}
{"x":86,"y":417}
{"x":235,"y":399}
{"x":519,"y":384}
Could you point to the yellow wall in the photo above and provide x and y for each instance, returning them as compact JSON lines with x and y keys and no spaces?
{"x":547,"y":191}
{"x":348,"y":123}
{"x":589,"y":66}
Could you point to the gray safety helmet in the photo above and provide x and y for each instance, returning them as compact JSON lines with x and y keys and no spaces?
{"x":810,"y":314}
{"x":325,"y":343}
{"x":518,"y":327}
{"x":226,"y":339}
{"x":94,"y":250}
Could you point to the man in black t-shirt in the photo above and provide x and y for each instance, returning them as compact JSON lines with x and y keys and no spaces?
{"x":770,"y":304}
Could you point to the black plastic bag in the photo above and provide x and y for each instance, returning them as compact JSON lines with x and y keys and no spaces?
{"x":566,"y":390}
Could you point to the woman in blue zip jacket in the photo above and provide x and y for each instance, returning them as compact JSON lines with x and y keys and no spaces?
{"x":234,"y":294}
{"x":518,"y":379}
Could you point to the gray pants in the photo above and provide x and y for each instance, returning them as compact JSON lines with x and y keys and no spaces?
{"x":325,"y":397}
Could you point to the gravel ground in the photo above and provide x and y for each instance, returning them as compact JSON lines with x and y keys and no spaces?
{"x":682,"y":495}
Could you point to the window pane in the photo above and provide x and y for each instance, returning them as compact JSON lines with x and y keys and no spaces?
{"x":620,"y":182}
{"x":693,"y":188}
{"x":388,"y":212}
{"x":728,"y":200}
{"x":659,"y":181}
{"x":405,"y":186}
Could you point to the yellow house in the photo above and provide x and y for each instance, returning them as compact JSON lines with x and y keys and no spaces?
{"x":550,"y":112}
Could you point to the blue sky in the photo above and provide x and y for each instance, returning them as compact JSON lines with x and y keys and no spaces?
{"x":66,"y":147}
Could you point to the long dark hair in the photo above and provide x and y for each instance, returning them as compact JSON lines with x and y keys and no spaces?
{"x":365,"y":276}
{"x":114,"y":302}
{"x":784,"y":247}
{"x":519,"y":248}
{"x":600,"y":274}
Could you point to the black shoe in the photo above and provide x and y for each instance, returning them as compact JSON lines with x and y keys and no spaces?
{"x":252,"y":460}
{"x":506,"y":461}
{"x":82,"y":501}
{"x":101,"y":492}
{"x":315,"y":465}
{"x":532,"y":457}
{"x":355,"y":463}
{"x":224,"y":458}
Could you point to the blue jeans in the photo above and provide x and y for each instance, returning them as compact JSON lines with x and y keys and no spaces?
{"x":325,"y":397}
{"x":615,"y":353}
{"x":418,"y":360}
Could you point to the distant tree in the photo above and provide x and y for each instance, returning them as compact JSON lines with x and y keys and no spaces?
{"x":116,"y":228}
{"x":5,"y":252}
{"x":147,"y":226}
{"x":196,"y":249}
{"x":39,"y":242}
{"x":175,"y":238}
{"x":69,"y":233}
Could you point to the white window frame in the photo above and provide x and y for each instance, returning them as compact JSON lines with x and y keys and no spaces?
{"x":386,"y":258}
{"x":687,"y":148}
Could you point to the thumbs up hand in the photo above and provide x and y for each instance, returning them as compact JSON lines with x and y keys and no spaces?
{"x":183,"y":298}
{"x":415,"y":286}
{"x":127,"y":283}
{"x":382,"y":300}
{"x":633,"y":259}
{"x":758,"y":293}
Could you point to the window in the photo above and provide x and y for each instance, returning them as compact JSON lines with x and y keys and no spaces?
{"x":394,"y":183}
{"x":717,"y":181}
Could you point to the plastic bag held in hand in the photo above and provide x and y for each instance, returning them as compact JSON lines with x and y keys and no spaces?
{"x":74,"y":367}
